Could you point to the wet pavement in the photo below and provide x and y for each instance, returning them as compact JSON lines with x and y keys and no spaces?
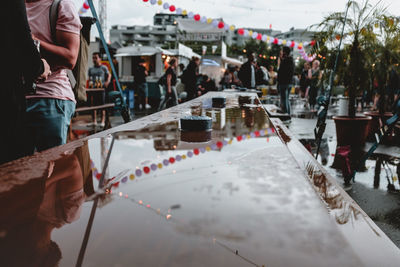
{"x":380,"y":204}
{"x":248,"y":194}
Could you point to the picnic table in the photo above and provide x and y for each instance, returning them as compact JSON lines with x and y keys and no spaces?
{"x":107,"y":106}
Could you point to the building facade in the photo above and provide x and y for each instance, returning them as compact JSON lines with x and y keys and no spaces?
{"x":166,"y":19}
{"x":167,"y":31}
{"x":157,"y":35}
{"x":163,"y":33}
{"x":298,"y":35}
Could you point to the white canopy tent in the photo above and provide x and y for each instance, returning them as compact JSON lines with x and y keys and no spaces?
{"x":137,"y":51}
{"x":231,"y":61}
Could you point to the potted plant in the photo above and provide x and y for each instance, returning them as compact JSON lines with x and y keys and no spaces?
{"x":351,"y":130}
{"x":386,"y":55}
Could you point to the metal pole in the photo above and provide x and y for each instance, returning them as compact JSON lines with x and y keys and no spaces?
{"x":125,"y":110}
{"x":89,"y":226}
{"x":321,"y":124}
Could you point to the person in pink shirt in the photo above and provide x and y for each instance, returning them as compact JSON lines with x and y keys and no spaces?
{"x":50,"y":110}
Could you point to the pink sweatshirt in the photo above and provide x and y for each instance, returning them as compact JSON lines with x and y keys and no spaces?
{"x":57,"y":84}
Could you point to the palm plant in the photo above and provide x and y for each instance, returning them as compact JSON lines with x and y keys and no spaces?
{"x":386,"y":54}
{"x":358,"y":32}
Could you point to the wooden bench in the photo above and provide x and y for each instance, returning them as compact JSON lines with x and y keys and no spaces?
{"x":91,"y":92}
{"x":91,"y":108}
{"x":105,"y":107}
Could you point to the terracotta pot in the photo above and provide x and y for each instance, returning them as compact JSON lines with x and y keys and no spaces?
{"x":373,"y":126}
{"x":196,"y":136}
{"x":351,"y":131}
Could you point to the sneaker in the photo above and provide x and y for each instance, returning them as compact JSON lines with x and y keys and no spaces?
{"x":92,"y":124}
{"x":102,"y":124}
{"x":147,"y":106}
{"x":140,"y":106}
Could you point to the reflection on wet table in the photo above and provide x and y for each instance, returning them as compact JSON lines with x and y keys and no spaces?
{"x":149,"y":194}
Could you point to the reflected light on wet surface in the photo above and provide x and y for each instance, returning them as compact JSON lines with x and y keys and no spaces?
{"x":237,"y":199}
{"x":243,"y":142}
{"x":354,"y":222}
{"x":196,"y":164}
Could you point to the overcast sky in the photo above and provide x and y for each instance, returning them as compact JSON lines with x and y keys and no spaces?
{"x":282,"y":14}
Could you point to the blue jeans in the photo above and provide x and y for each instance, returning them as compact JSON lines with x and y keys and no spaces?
{"x":143,"y":93}
{"x":284,"y":93}
{"x":143,"y":89}
{"x":48,"y":120}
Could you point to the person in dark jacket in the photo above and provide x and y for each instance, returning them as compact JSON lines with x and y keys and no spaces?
{"x":206,"y":85}
{"x":23,"y":67}
{"x":261,"y":76}
{"x":169,"y":85}
{"x":304,"y":81}
{"x":189,"y":77}
{"x":247,"y":73}
{"x":285,"y":77}
{"x":141,"y":86}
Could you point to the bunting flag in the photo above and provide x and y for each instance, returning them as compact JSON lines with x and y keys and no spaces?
{"x":219,"y":24}
{"x":222,"y":25}
{"x":85,"y":7}
{"x":139,"y":172}
{"x":308,"y":58}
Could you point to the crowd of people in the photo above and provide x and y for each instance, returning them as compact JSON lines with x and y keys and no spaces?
{"x":182,"y":83}
{"x":39,"y":100}
{"x":190,"y":83}
{"x":311,"y":86}
{"x":310,"y":82}
{"x":251,"y":75}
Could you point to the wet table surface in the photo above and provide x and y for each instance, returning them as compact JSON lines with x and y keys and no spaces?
{"x":137,"y":195}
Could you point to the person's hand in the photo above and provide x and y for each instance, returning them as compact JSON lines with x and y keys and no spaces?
{"x":106,"y":84}
{"x":34,"y":37}
{"x":50,"y":169}
{"x":47,"y":72}
{"x":169,"y":91}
